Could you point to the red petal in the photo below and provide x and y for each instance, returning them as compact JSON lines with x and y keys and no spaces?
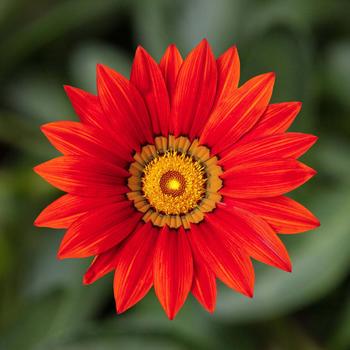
{"x":74,"y":138}
{"x":289,"y":145}
{"x":65,"y":210}
{"x":99,"y":230}
{"x":238,"y":113}
{"x":170,"y":65}
{"x":172,"y":270}
{"x":101,"y":265}
{"x":220,"y":251}
{"x":253,"y":234}
{"x":228,"y":66}
{"x":84,"y":176}
{"x":265,"y":179}
{"x":284,"y":214}
{"x":204,"y":284}
{"x":195,"y":91}
{"x":124,"y":106}
{"x":133,"y":277}
{"x":276,"y":120}
{"x":147,"y":77}
{"x":86,"y":106}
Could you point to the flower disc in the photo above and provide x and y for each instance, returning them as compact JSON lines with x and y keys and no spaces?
{"x":174,"y":181}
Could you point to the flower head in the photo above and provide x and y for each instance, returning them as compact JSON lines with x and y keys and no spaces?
{"x":177,"y":177}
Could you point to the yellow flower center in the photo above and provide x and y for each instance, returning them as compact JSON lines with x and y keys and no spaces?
{"x":173,"y":183}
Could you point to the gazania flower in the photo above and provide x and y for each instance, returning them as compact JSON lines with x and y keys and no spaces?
{"x":177,"y":177}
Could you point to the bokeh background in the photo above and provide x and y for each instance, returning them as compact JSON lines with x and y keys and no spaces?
{"x":45,"y":44}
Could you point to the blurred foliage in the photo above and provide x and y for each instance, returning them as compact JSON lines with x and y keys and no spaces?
{"x":45,"y":44}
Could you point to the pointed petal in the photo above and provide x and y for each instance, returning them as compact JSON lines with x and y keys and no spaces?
{"x":74,"y":138}
{"x":267,"y":178}
{"x":228,"y":66}
{"x":147,"y":77}
{"x":124,"y":106}
{"x":204,"y":284}
{"x":172,"y":270}
{"x":133,"y":277}
{"x":65,"y":210}
{"x":222,"y":254}
{"x":289,"y":145}
{"x":99,"y":230}
{"x":84,"y":176}
{"x":284,"y":214}
{"x":253,"y":234}
{"x":101,"y":265}
{"x":86,"y":106}
{"x":277,"y":119}
{"x":170,"y":65}
{"x":238,"y":113}
{"x":195,"y":91}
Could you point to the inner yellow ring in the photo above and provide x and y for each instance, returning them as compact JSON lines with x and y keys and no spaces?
{"x":173,"y":183}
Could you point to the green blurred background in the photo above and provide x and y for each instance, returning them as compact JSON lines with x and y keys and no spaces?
{"x":45,"y":44}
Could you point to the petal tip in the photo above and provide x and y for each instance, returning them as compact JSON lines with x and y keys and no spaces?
{"x":210,"y":308}
{"x":60,"y":255}
{"x":204,"y":45}
{"x":316,"y":222}
{"x":38,"y":169}
{"x":140,"y":50}
{"x":288,"y":266}
{"x":248,"y":290}
{"x":271,"y":76}
{"x":172,"y":47}
{"x":99,"y":68}
{"x":38,"y":222}
{"x":250,"y":293}
{"x":312,"y":172}
{"x":63,"y":252}
{"x":45,"y":128}
{"x":122,"y":306}
{"x":313,"y":139}
{"x":233,"y":50}
{"x":87,"y":278}
{"x":68,"y":88}
{"x":171,"y":315}
{"x":102,"y":69}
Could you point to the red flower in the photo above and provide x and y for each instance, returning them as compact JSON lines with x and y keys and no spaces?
{"x":177,"y":177}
